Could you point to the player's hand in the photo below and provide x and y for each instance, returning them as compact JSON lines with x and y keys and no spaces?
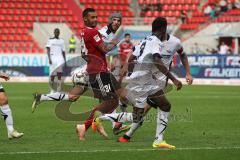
{"x":189,"y":79}
{"x":178,"y":84}
{"x":5,"y":76}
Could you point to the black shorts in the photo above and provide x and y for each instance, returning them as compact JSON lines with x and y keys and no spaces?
{"x":104,"y":85}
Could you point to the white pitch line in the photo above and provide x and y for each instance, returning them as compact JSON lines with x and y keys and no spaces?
{"x":121,"y":150}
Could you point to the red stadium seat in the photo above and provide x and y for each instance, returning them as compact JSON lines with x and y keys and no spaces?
{"x":156,"y":13}
{"x":186,"y":7}
{"x":193,"y":7}
{"x":179,"y":7}
{"x":173,"y":7}
{"x":148,"y":14}
{"x":165,"y":7}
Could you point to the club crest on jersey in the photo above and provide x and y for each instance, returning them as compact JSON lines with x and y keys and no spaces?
{"x":97,"y":38}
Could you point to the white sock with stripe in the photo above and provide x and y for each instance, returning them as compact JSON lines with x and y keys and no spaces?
{"x":117,"y":117}
{"x":57,"y":96}
{"x":162,"y":120}
{"x":7,"y":115}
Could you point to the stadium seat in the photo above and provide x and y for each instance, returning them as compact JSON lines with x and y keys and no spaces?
{"x":16,"y":27}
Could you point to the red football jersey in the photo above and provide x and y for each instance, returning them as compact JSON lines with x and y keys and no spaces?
{"x":96,"y":59}
{"x":125,"y":48}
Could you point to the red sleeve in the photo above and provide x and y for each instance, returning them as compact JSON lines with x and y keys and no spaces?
{"x":95,"y":38}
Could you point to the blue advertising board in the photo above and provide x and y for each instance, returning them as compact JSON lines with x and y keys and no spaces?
{"x":211,"y":66}
{"x":202,"y":66}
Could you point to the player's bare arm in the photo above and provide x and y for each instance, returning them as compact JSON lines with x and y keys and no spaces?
{"x":104,"y":48}
{"x":184,"y":60}
{"x":48,"y":53}
{"x":160,"y":65}
{"x":128,"y":67}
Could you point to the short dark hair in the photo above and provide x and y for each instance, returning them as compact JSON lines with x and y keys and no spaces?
{"x":159,"y":23}
{"x":127,"y":34}
{"x":86,"y":11}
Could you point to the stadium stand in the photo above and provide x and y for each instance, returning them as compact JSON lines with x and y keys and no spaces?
{"x":198,"y":17}
{"x":168,"y":8}
{"x":230,"y":16}
{"x":105,"y":7}
{"x":17,"y":18}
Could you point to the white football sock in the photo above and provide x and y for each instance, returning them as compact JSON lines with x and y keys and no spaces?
{"x":133,"y":128}
{"x":7,"y":114}
{"x":51,"y":86}
{"x":59,"y":85}
{"x":57,"y":96}
{"x":117,"y":117}
{"x":162,"y":120}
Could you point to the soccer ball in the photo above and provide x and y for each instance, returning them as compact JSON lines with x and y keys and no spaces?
{"x":79,"y":76}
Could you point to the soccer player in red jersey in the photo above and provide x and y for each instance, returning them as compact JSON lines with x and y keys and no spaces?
{"x":103,"y":83}
{"x":108,"y":33}
{"x":125,"y":48}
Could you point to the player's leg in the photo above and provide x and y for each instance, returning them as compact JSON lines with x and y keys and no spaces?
{"x":107,"y":106}
{"x":163,"y":106}
{"x":59,"y":81}
{"x":7,"y":115}
{"x":137,"y":114}
{"x":54,"y":68}
{"x":73,"y":95}
{"x":51,"y":83}
{"x":103,"y":86}
{"x":121,"y":117}
{"x":137,"y":96}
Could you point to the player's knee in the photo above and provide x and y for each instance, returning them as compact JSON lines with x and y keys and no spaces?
{"x":3,"y":100}
{"x":166,"y":107}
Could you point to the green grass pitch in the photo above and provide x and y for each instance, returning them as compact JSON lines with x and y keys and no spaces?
{"x":204,"y":124}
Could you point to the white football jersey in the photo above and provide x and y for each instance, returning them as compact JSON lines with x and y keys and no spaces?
{"x":107,"y":36}
{"x":106,"y":33}
{"x":56,"y":48}
{"x":169,"y":48}
{"x":144,"y":63}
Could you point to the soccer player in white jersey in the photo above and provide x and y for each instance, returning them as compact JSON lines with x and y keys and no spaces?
{"x":6,"y":111}
{"x":57,"y":58}
{"x":147,"y":91}
{"x":108,"y":33}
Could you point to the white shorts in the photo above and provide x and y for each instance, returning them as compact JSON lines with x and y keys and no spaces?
{"x":56,"y":67}
{"x":138,"y":91}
